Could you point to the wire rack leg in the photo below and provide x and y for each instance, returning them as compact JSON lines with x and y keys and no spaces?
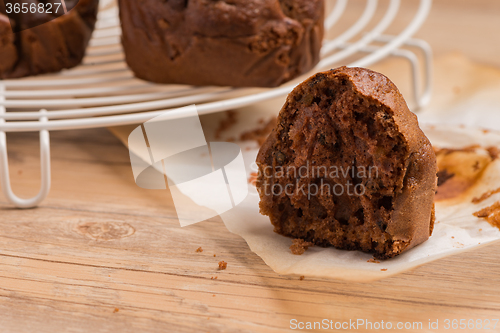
{"x":44,"y":166}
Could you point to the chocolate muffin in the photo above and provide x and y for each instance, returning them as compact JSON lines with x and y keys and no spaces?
{"x":348,"y":166}
{"x":49,"y":47}
{"x":260,"y":43}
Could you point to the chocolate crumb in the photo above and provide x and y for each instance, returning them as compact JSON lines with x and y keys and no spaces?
{"x":301,"y":278}
{"x":199,"y":250}
{"x":222,"y":265}
{"x":383,"y":269}
{"x":260,"y":134}
{"x":373,"y":260}
{"x":299,"y":246}
{"x":214,"y":255}
{"x":226,"y":123}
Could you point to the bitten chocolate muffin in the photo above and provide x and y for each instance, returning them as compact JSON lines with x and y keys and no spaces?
{"x":348,"y":166}
{"x":228,"y":43}
{"x":60,"y":43}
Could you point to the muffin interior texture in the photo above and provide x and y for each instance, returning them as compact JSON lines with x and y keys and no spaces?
{"x":333,"y":169}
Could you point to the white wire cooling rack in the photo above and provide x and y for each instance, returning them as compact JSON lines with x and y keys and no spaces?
{"x":103,"y":91}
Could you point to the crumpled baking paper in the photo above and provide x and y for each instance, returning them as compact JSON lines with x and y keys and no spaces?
{"x":465,"y":100}
{"x":456,"y":229}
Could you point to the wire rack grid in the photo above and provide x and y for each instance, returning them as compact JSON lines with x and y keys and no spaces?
{"x":103,"y":92}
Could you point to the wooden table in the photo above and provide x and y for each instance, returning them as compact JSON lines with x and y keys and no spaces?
{"x":101,"y":254}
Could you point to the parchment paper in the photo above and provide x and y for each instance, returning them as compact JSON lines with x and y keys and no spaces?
{"x":466,"y":99}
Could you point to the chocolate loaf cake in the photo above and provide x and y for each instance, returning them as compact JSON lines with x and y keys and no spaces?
{"x":49,"y":47}
{"x":348,"y":166}
{"x":260,"y":43}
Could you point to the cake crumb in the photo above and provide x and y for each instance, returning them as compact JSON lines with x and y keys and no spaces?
{"x":260,"y":134}
{"x":199,"y":250}
{"x":373,"y":260}
{"x":214,"y":278}
{"x":301,"y":278}
{"x":453,"y":237}
{"x":222,"y":265}
{"x":299,"y":246}
{"x":383,"y":269}
{"x":116,"y":310}
{"x":226,"y":123}
{"x":214,"y":254}
{"x":480,"y":229}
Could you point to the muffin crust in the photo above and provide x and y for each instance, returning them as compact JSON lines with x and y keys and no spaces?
{"x":231,"y":42}
{"x":49,"y":47}
{"x":340,"y":127}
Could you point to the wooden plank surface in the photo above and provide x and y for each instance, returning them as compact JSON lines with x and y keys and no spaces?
{"x":102,"y":255}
